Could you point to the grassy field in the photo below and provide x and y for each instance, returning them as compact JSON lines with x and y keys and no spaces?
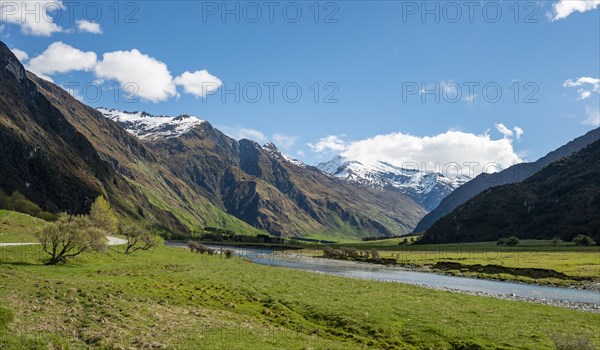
{"x":18,"y":228}
{"x":576,"y":262}
{"x":170,"y":298}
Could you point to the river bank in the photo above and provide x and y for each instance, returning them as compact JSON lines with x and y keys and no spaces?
{"x":585,"y":300}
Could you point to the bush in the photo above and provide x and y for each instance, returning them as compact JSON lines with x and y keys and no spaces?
{"x":137,"y":238}
{"x":69,"y":237}
{"x":509,"y":241}
{"x":19,"y":203}
{"x":375,"y":254}
{"x":584,"y":240}
{"x":512,"y":241}
{"x":26,"y":207}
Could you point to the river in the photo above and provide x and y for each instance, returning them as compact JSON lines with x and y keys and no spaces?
{"x":295,"y":260}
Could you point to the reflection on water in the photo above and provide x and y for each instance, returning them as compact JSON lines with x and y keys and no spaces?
{"x":296,"y":260}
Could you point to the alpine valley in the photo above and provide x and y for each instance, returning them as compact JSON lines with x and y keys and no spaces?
{"x":177,"y":174}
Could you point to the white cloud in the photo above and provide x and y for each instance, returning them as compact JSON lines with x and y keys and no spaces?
{"x":506,"y":132}
{"x":473,"y":153}
{"x":61,"y":58}
{"x":592,"y":117}
{"x":34,"y":17}
{"x":587,"y":85}
{"x":151,"y":77}
{"x":199,"y":83}
{"x":329,"y":143}
{"x":89,"y":27}
{"x":240,"y":133}
{"x":518,"y":132}
{"x":284,"y":141}
{"x":470,"y":98}
{"x":564,"y":8}
{"x":21,"y":55}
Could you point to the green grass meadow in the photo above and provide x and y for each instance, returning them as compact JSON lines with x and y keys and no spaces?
{"x":169,"y":298}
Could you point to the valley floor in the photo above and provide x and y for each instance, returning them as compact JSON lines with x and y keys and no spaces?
{"x":532,"y":261}
{"x":171,"y":298}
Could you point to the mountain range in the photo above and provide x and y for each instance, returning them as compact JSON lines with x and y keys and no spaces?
{"x":175,"y":174}
{"x":425,"y":187}
{"x":179,"y":174}
{"x":262,"y":186}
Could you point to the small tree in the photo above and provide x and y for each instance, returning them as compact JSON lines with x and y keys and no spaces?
{"x":70,"y":236}
{"x":103,"y":216}
{"x":137,"y":239}
{"x":512,"y":241}
{"x":375,"y":254}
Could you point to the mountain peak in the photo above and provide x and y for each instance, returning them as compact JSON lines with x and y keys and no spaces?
{"x":426,"y":188}
{"x":271,"y":147}
{"x":144,"y":125}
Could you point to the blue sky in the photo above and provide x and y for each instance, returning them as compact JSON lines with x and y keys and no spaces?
{"x":361,"y":57}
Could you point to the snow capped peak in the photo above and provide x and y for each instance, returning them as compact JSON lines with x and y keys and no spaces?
{"x":273,"y":151}
{"x":426,"y":187}
{"x":271,"y":147}
{"x":146,"y":126}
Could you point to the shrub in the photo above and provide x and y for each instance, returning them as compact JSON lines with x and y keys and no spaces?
{"x":46,"y":216}
{"x":583,"y":240}
{"x":501,"y":241}
{"x":26,"y":207}
{"x":69,"y":237}
{"x":512,"y":241}
{"x":137,"y":238}
{"x":375,"y":254}
{"x":555,"y":241}
{"x":194,"y":247}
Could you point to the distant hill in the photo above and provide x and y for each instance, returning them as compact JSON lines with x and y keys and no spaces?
{"x":513,"y":174}
{"x":561,"y":200}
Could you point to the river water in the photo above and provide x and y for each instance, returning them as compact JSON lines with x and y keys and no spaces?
{"x":295,"y":260}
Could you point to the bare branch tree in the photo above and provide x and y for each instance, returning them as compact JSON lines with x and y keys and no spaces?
{"x":69,"y":237}
{"x":137,"y":238}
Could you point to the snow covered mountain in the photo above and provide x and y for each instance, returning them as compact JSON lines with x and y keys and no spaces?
{"x":426,"y":188}
{"x":262,"y":186}
{"x":274,"y":152}
{"x":147,"y":126}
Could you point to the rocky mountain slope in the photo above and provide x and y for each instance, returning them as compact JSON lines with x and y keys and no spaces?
{"x":561,"y":200}
{"x":62,"y":154}
{"x":265,"y":188}
{"x":513,"y":174}
{"x":425,"y":188}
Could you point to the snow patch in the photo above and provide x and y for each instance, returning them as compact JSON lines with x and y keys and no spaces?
{"x":147,"y":126}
